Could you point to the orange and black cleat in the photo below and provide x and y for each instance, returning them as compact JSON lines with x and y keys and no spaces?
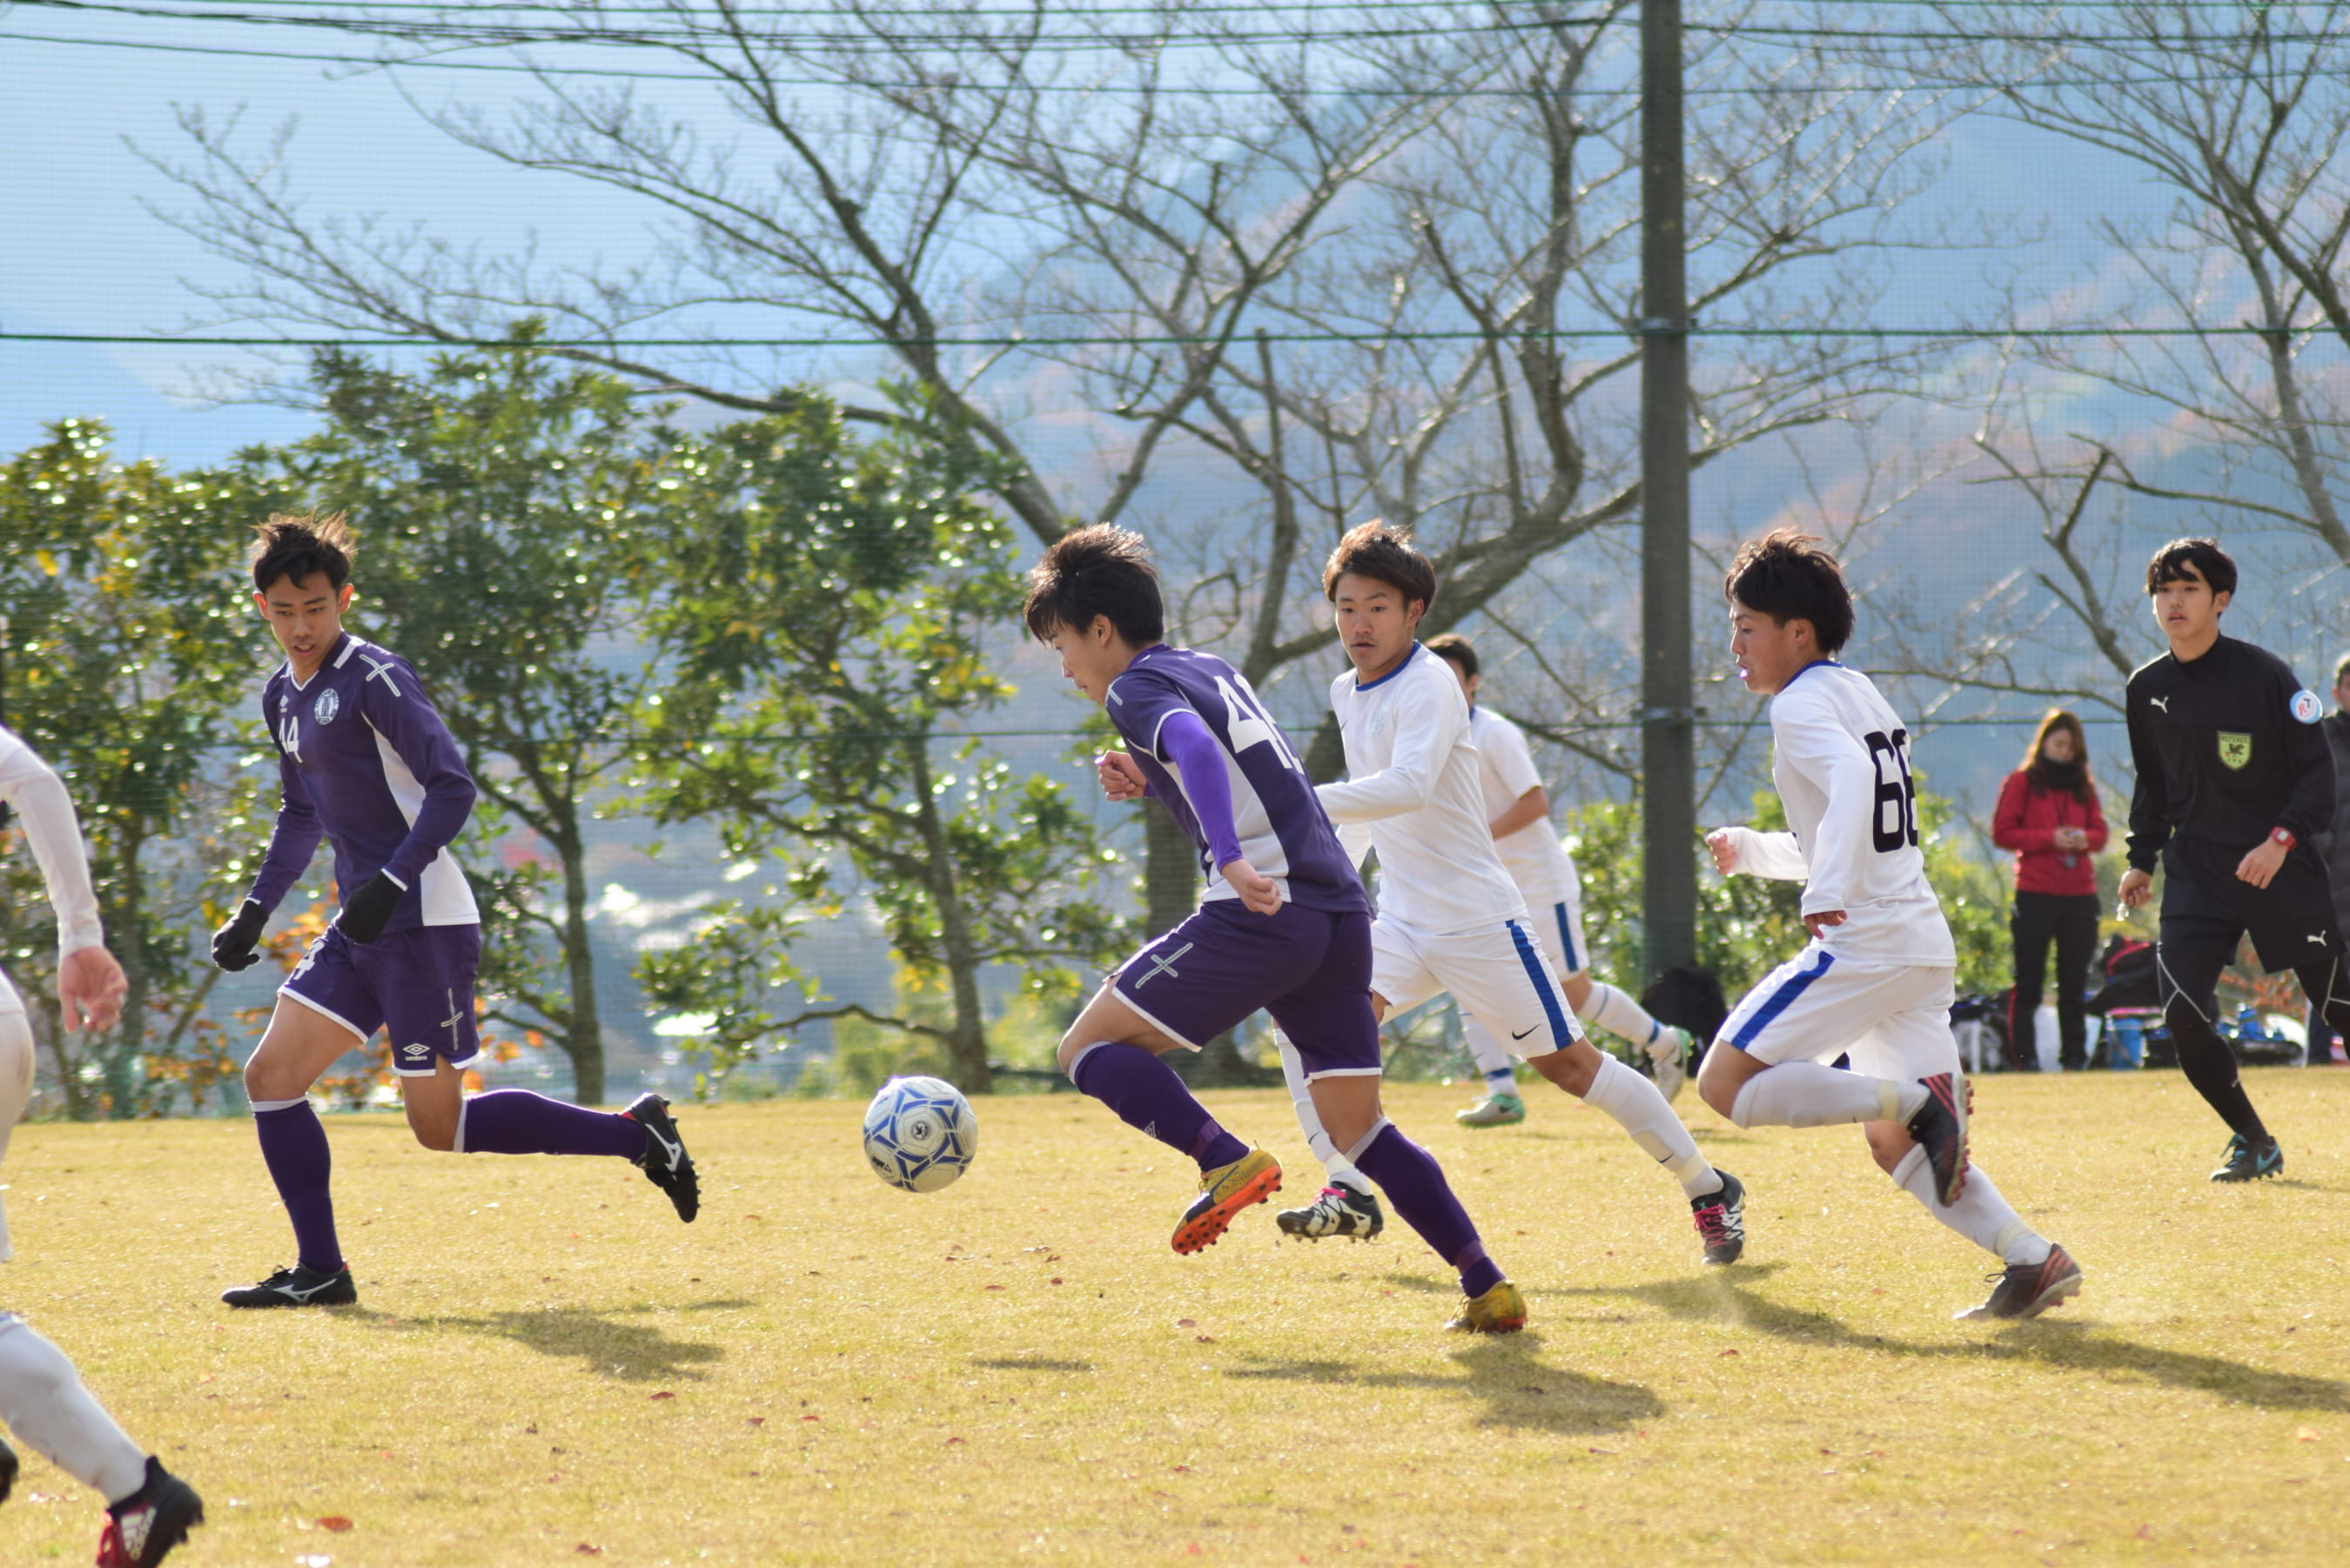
{"x":1224,"y":1193}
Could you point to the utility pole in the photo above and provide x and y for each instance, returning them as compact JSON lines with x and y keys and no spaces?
{"x":1667,"y":714}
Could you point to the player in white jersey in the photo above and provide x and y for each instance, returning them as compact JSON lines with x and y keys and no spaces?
{"x":1450,"y":917}
{"x":1874,"y":982}
{"x":1518,"y":809}
{"x":149,"y":1510}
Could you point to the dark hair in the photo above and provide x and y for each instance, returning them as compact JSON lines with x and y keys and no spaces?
{"x":2072,"y":777}
{"x":1376,"y":551}
{"x":294,"y":545}
{"x":1455,"y":646}
{"x":2213,"y":563}
{"x":2341,"y":668}
{"x":1788,"y":574}
{"x":1100,"y":570}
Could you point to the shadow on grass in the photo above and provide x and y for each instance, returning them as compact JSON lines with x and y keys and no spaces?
{"x":634,"y":1353}
{"x":1028,"y":1364}
{"x":1722,"y":1296}
{"x":1504,"y":1375}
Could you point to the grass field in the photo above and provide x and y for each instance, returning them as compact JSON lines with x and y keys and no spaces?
{"x":545,"y":1367}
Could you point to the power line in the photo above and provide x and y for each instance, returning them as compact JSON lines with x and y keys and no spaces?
{"x":1155,"y":340}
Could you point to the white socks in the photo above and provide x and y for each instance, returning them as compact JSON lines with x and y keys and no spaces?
{"x":1807,"y":1094}
{"x":1618,"y":1014}
{"x":1981,"y":1214}
{"x":44,"y":1403}
{"x":1639,"y":1110}
{"x":16,"y":1090}
{"x":1340,"y":1169}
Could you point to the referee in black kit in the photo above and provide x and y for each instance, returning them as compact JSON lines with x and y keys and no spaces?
{"x":2234,"y":778}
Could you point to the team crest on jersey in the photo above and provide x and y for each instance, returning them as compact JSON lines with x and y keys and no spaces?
{"x":2306,"y":706}
{"x":2235,"y":748}
{"x":327,"y":705}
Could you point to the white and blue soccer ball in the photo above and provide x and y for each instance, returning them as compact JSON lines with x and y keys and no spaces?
{"x":920,"y":1134}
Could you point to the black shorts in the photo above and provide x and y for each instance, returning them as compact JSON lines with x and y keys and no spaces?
{"x":2206,"y":911}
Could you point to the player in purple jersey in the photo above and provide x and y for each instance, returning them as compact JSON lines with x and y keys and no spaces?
{"x":1284,"y":925}
{"x":365,"y":761}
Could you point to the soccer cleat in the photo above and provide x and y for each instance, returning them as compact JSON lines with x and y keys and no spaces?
{"x":1224,"y":1193}
{"x":1338,"y":1211}
{"x":142,"y":1528}
{"x":1940,"y":1129}
{"x":2027,"y":1290}
{"x":1499,"y":1311}
{"x":1721,"y":1219}
{"x":300,"y":1286}
{"x":1494,"y":1111}
{"x":665,"y":1160}
{"x":7,"y":1471}
{"x":1668,"y":1059}
{"x":2249,"y":1161}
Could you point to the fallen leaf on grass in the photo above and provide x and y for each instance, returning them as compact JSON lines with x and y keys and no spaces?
{"x":953,"y":1441}
{"x":587,"y":1550}
{"x":1204,"y":1338}
{"x":333,"y":1521}
{"x":1729,"y":1353}
{"x":811,"y":1418}
{"x":995,"y":1287}
{"x":1056,"y":1279}
{"x":1179,"y":1467}
{"x":755,"y":1420}
{"x":664,"y":1394}
{"x":1186,"y":1322}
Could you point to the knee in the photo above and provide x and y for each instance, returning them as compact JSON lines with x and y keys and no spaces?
{"x":1887,"y":1145}
{"x":1716,"y":1087}
{"x":263,"y":1082}
{"x":439,"y":1136}
{"x":1069,"y":1049}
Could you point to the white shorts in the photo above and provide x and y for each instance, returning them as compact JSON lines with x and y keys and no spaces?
{"x":1499,"y":976}
{"x":1559,"y":927}
{"x":1893,"y":1021}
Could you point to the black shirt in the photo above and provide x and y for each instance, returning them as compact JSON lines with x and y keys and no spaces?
{"x":2221,"y":755}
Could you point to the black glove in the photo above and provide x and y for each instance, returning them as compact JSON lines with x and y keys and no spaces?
{"x":233,"y":943}
{"x":364,"y":912}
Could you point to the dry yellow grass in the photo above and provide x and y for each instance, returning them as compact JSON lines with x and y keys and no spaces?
{"x":823,"y":1370}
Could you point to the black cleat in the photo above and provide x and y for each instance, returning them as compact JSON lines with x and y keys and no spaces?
{"x":1338,"y":1211}
{"x":1940,"y":1129}
{"x":1721,"y":1219}
{"x":142,"y":1528}
{"x":300,"y":1286}
{"x":2027,"y":1290}
{"x":665,"y":1160}
{"x":7,"y":1471}
{"x":2249,"y":1161}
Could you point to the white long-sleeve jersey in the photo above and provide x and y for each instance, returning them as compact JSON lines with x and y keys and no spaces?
{"x":1840,"y":757}
{"x":1412,"y":782}
{"x":1536,"y":859}
{"x":40,"y":799}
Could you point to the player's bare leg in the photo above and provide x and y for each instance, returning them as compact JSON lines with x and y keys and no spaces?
{"x":1666,"y":1047}
{"x":296,"y":1051}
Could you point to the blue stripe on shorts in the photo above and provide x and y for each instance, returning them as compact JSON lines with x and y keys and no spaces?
{"x":1532,"y":958}
{"x":1793,"y":986}
{"x":1565,"y":936}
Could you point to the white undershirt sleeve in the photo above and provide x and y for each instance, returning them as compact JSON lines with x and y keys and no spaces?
{"x":46,"y":813}
{"x":1777,"y":856}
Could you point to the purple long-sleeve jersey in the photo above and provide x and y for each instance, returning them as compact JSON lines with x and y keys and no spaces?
{"x":1280,"y":826}
{"x":365,"y":761}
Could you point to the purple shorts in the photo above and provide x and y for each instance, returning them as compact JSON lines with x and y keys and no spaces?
{"x":418,"y":982}
{"x":1311,"y":969}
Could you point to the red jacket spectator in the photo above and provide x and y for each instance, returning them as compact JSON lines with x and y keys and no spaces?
{"x":2026,"y":822}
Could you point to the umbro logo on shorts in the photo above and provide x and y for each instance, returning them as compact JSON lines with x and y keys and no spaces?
{"x":416,"y":1052}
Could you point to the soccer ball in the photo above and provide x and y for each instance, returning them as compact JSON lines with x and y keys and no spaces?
{"x":920,"y":1134}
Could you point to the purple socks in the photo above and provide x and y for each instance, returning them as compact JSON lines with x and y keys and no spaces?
{"x":294,"y":1146}
{"x":1415,"y":1184}
{"x":1146,"y":1095}
{"x":516,"y":1121}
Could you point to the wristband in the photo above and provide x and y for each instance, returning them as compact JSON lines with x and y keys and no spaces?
{"x":2282,"y":835}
